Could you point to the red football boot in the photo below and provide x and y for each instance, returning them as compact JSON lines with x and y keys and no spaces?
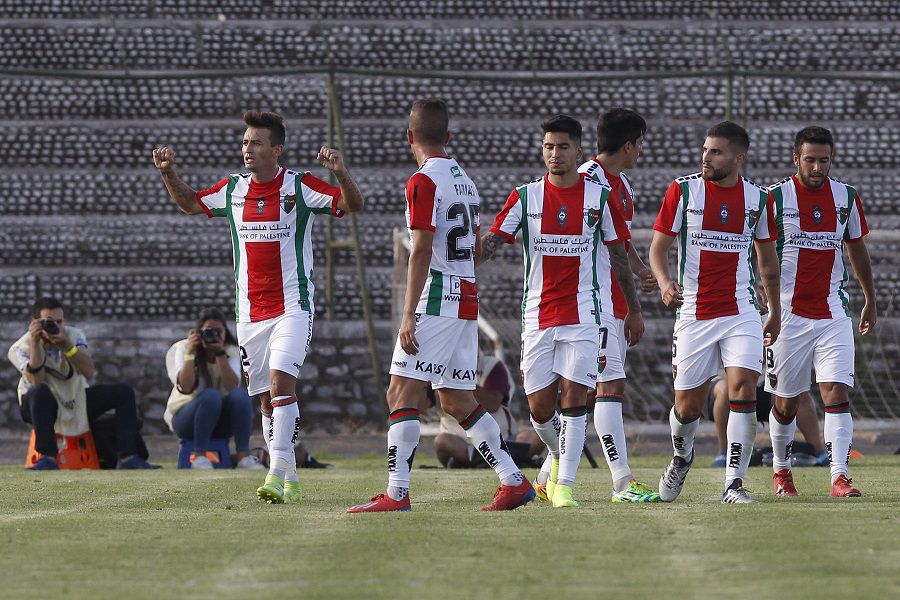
{"x":381,"y":503}
{"x":841,"y":488}
{"x":509,"y":497}
{"x":784,"y":483}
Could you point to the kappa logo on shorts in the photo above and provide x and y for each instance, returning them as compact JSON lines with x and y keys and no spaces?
{"x":400,"y":363}
{"x":601,"y":364}
{"x":773,"y":379}
{"x":464,"y":374}
{"x":428,"y":367}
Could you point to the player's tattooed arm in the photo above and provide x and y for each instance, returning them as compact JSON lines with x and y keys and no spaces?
{"x":770,"y":273}
{"x":183,"y":194}
{"x":351,"y":198}
{"x":858,"y":254}
{"x":634,"y":320}
{"x":490,"y":244}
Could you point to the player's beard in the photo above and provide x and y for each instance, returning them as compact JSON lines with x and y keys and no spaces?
{"x":813,"y":184}
{"x":716,"y":174}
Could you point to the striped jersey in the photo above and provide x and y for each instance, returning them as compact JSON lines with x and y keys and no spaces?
{"x":812,"y":224}
{"x":715,"y":227}
{"x":621,"y":190}
{"x":441,"y":198}
{"x":562,"y":230}
{"x":271,"y":236}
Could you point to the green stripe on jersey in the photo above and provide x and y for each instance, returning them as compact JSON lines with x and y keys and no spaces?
{"x":303,"y":215}
{"x":435,"y":293}
{"x":523,"y":223}
{"x":845,"y":276}
{"x":779,"y":220}
{"x":685,"y":195}
{"x":236,"y":247}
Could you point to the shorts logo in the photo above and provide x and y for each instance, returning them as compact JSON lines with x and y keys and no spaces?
{"x":427,"y":367}
{"x":561,"y":216}
{"x":773,"y":380}
{"x":400,"y":363}
{"x":723,"y":214}
{"x":674,"y":371}
{"x":288,"y":203}
{"x":601,"y":363}
{"x":842,"y":214}
{"x":464,"y":374}
{"x":817,"y":214}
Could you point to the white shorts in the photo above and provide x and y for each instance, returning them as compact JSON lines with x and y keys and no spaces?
{"x":448,"y":353}
{"x":824,"y":344}
{"x":568,"y":351}
{"x":613,"y":346}
{"x":280,"y":343}
{"x":697,"y":347}
{"x":508,"y":426}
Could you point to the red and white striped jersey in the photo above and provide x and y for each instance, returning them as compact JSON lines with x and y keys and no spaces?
{"x":715,"y":227}
{"x":271,"y":236}
{"x":621,"y":189}
{"x":812,"y":224}
{"x":562,"y":229}
{"x":441,"y":198}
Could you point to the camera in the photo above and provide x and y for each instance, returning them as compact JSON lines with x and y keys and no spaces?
{"x":210,"y":335}
{"x":50,"y":326}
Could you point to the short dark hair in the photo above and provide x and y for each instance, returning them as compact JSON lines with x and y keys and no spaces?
{"x":813,"y":135}
{"x":429,"y":120}
{"x":267,"y":120}
{"x":618,"y":126}
{"x":43,"y":302}
{"x":732,"y":132}
{"x":562,"y":124}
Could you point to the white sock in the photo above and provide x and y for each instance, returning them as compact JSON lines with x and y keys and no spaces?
{"x":782,"y":436}
{"x":544,"y":474}
{"x":683,"y":434}
{"x":571,"y":444}
{"x":291,"y":473}
{"x":484,"y":434}
{"x":285,"y":429}
{"x":549,"y":433}
{"x":403,"y":439}
{"x":611,"y":431}
{"x":741,"y":432}
{"x":838,"y":438}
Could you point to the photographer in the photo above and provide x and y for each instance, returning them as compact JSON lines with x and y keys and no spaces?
{"x":208,"y":400}
{"x":53,"y":392}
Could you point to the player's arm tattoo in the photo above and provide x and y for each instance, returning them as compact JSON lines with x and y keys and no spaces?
{"x":351,"y":197}
{"x":183,"y":194}
{"x":622,"y":268}
{"x":490,"y":244}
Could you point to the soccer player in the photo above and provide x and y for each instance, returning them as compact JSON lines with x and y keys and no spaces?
{"x":716,"y":216}
{"x":438,"y":339}
{"x":816,"y":215}
{"x":271,"y":212}
{"x":620,"y":136}
{"x":563,"y":217}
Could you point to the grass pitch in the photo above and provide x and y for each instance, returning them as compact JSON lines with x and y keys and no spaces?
{"x":178,"y":534}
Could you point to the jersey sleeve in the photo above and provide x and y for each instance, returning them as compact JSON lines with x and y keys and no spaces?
{"x":420,"y":191}
{"x":614,"y":229}
{"x":669,"y":220}
{"x":766,"y":230}
{"x":319,"y":197}
{"x":19,"y":355}
{"x":509,"y":221}
{"x":212,"y":200}
{"x":857,"y":227}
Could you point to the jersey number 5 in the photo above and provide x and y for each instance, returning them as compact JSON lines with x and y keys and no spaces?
{"x":469,"y":214}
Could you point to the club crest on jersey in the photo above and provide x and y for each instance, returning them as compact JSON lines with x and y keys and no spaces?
{"x":288,"y":203}
{"x":601,"y":364}
{"x":752,"y":218}
{"x":260,"y":205}
{"x":561,"y":216}
{"x":817,"y":214}
{"x":842,"y":214}
{"x":455,"y":171}
{"x":723,"y":214}
{"x":591,"y":217}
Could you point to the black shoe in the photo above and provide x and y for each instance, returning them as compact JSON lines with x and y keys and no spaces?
{"x":312,"y":463}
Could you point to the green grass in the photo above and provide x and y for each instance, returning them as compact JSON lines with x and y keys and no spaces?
{"x":177,"y":534}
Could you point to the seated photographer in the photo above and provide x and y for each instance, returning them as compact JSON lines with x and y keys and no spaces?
{"x":208,"y":400}
{"x":494,"y":389}
{"x":53,"y":391}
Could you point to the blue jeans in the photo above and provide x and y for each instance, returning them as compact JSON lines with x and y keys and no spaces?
{"x":211,"y":415}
